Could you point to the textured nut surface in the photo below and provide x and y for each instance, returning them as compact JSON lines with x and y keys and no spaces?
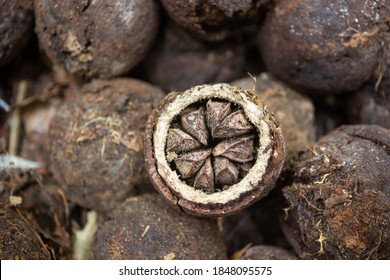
{"x":215,"y":179}
{"x":214,"y":20}
{"x":371,"y":106}
{"x":324,"y":46}
{"x":16,"y":24}
{"x":339,"y":199}
{"x":188,"y":62}
{"x":96,"y":38}
{"x":145,"y":227}
{"x":96,"y":149}
{"x":266,"y":252}
{"x":19,"y":240}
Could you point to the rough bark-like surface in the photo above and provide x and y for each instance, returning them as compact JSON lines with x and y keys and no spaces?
{"x":16,"y":26}
{"x":215,"y":20}
{"x":18,"y":238}
{"x":96,"y":146}
{"x":339,"y":197}
{"x":96,"y":38}
{"x":264,"y":252}
{"x":146,"y":228}
{"x":325,"y":46}
{"x":179,"y":61}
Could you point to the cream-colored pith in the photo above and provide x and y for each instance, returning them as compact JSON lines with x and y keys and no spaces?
{"x":254,"y":113}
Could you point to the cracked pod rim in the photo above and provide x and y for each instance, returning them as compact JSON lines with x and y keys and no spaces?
{"x":257,"y":183}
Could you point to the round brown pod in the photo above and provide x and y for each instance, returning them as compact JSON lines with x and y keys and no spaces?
{"x":188,"y":62}
{"x":146,"y":228}
{"x":371,"y":105}
{"x":214,"y":20}
{"x":324,"y":46}
{"x":213,"y":150}
{"x":16,"y":25}
{"x":96,"y":38}
{"x":96,"y":147}
{"x":266,"y":252}
{"x":339,"y":196}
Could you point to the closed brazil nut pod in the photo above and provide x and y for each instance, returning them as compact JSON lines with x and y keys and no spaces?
{"x":325,"y":47}
{"x":95,"y":141}
{"x":213,"y":150}
{"x":96,"y":39}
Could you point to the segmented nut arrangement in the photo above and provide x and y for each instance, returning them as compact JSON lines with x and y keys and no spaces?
{"x":202,"y":160}
{"x":213,"y":149}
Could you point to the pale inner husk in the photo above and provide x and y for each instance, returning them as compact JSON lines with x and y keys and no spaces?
{"x":254,"y":113}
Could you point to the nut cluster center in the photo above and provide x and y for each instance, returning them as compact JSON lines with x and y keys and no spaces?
{"x":212,"y":145}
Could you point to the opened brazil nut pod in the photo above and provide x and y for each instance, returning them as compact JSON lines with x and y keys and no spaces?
{"x":213,"y":150}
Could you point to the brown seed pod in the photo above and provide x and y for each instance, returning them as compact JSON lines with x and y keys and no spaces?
{"x":96,"y":38}
{"x":371,"y":106}
{"x":95,"y":141}
{"x":264,"y":252}
{"x":145,"y":227}
{"x":237,"y":156}
{"x":214,"y":20}
{"x":255,"y":225}
{"x":188,"y":62}
{"x":16,"y":25}
{"x":339,"y":199}
{"x":325,"y":46}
